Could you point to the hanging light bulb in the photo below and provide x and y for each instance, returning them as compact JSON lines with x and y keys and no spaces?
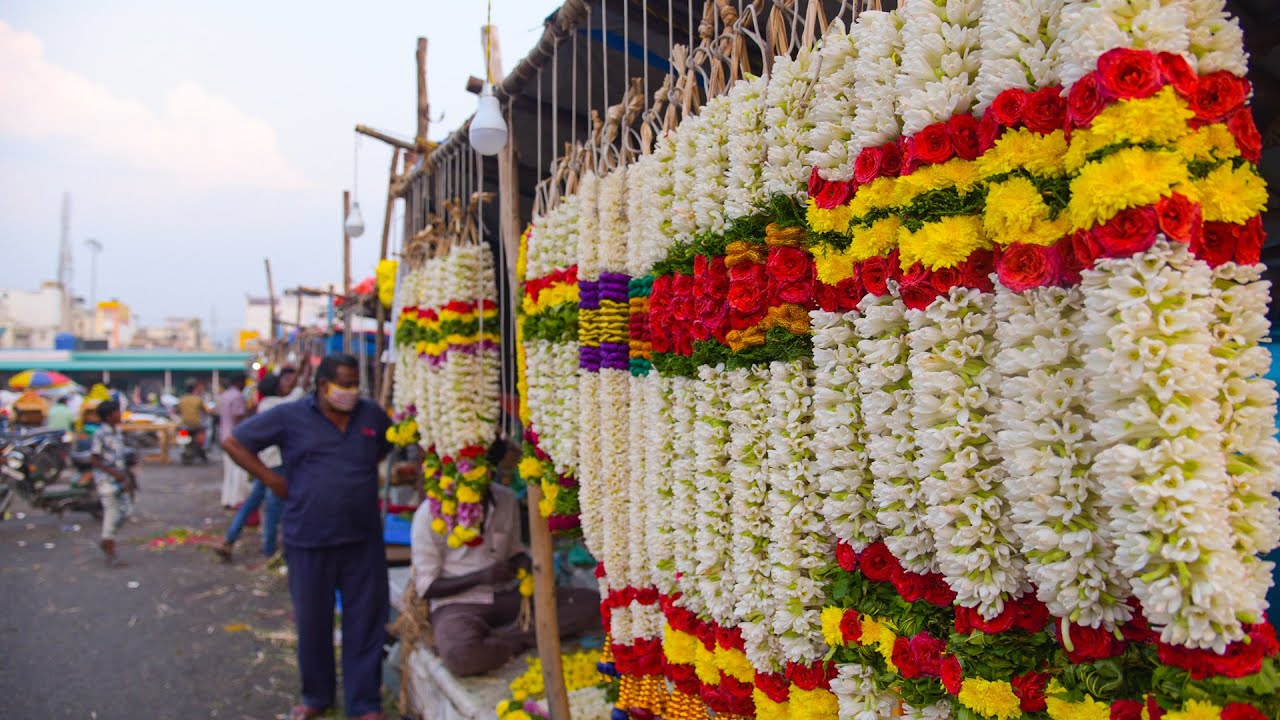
{"x":488,"y":129}
{"x":355,"y":221}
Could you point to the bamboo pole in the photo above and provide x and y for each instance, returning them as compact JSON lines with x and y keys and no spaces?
{"x":424,"y":105}
{"x":346,"y":274}
{"x":391,"y":140}
{"x":271,"y":297}
{"x":380,"y":311}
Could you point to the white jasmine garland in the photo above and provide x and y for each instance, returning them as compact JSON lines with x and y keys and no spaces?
{"x":878,"y":37}
{"x":588,"y":230}
{"x":839,"y":446}
{"x":553,"y":400}
{"x":798,"y":551}
{"x":1090,"y":28}
{"x":832,"y":109}
{"x":939,"y":61}
{"x":1216,"y":40}
{"x":940,"y":710}
{"x":711,"y":166}
{"x":749,"y":515}
{"x":612,"y":433}
{"x":659,"y":483}
{"x":712,"y":529}
{"x":612,"y":251}
{"x":1153,"y":391}
{"x":641,"y":198}
{"x":590,"y":703}
{"x":954,"y":405}
{"x":744,"y":186}
{"x":683,"y":507}
{"x":684,"y":183}
{"x":1020,"y":44}
{"x":884,"y":391}
{"x":590,"y":498}
{"x":660,"y":233}
{"x":1044,"y":440}
{"x":786,"y":122}
{"x":637,"y":489}
{"x":855,"y":689}
{"x":552,"y":245}
{"x":1247,"y":411}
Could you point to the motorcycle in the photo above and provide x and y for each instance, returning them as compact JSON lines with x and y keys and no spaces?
{"x":25,"y":476}
{"x":191,"y":442}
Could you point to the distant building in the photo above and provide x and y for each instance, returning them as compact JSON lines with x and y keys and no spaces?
{"x":312,"y":310}
{"x":183,"y":334}
{"x":32,"y":319}
{"x":114,"y":322}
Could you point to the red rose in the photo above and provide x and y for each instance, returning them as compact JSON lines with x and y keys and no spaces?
{"x":943,"y":279}
{"x":1030,"y":689}
{"x":851,"y":627}
{"x":846,"y":556}
{"x":1217,"y":244}
{"x":1046,"y":110}
{"x":850,"y":293}
{"x":799,"y":292}
{"x":952,"y":674}
{"x":1154,"y":711}
{"x":910,"y":161}
{"x":1084,"y":100}
{"x":937,"y":592}
{"x":988,"y":131}
{"x":1243,"y":129}
{"x":1217,"y":95}
{"x":909,"y":585}
{"x":1138,"y":630}
{"x":890,"y":159}
{"x":789,"y":264}
{"x":827,"y":297}
{"x":775,"y":686}
{"x":816,"y":183}
{"x":1126,"y":710}
{"x":977,"y":270}
{"x":998,"y":624}
{"x":1175,"y":71}
{"x":1242,"y":711}
{"x":917,"y":295}
{"x":1023,"y":266}
{"x":1179,"y":218}
{"x":932,"y":145}
{"x":927,"y":651}
{"x":1091,"y":644}
{"x":1126,"y":73}
{"x":808,"y":677}
{"x":1128,"y":233}
{"x":1029,"y":614}
{"x":1008,"y":107}
{"x":868,"y":165}
{"x":1249,"y":238}
{"x":834,"y":193}
{"x":964,"y":136}
{"x":875,"y":273}
{"x":1263,"y":635}
{"x":1084,"y":249}
{"x":747,"y":283}
{"x":878,"y":564}
{"x":903,"y":658}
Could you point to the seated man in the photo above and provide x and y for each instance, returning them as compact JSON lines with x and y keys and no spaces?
{"x":472,"y":591}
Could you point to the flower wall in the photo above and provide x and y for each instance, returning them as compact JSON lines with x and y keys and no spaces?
{"x":924,"y":376}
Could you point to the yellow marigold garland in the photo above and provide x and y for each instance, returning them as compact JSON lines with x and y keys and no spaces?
{"x":1016,"y":212}
{"x":1232,"y":195}
{"x":990,"y":698}
{"x":942,"y":244}
{"x":1128,"y":178}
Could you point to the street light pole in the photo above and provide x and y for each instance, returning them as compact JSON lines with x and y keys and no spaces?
{"x":95,"y":248}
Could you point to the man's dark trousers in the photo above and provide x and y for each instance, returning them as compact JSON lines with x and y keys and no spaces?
{"x":359,"y":571}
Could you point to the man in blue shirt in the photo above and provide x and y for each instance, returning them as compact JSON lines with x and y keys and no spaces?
{"x":331,"y":443}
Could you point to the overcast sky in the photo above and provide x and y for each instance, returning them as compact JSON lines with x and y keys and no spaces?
{"x":198,"y":138}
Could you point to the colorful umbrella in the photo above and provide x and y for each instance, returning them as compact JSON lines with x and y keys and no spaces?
{"x":38,"y":379}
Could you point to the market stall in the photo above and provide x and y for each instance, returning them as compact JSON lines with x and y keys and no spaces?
{"x":899,"y":363}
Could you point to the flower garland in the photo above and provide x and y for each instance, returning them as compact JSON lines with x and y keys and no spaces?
{"x":586,"y":696}
{"x":744,"y":190}
{"x":711,"y":476}
{"x":385,"y":275}
{"x":829,"y":110}
{"x":711,"y":167}
{"x":786,"y":123}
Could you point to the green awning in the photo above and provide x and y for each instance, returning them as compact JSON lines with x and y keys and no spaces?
{"x":125,"y":361}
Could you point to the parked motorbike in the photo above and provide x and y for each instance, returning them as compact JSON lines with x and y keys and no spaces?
{"x":25,"y":476}
{"x":191,"y":443}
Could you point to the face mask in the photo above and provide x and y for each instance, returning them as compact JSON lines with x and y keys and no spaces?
{"x":343,"y":399}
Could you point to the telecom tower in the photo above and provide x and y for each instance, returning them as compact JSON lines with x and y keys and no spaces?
{"x":65,"y":269}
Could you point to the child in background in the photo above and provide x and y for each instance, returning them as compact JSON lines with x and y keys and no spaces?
{"x":111,"y":478}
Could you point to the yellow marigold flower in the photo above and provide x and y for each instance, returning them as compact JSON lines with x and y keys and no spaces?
{"x":832,"y":265}
{"x":1211,"y":142}
{"x":882,"y":636}
{"x":956,"y":173}
{"x":1196,"y":710}
{"x":734,"y":663}
{"x":678,"y":646}
{"x":1129,"y":178}
{"x":1232,"y":194}
{"x":526,"y":582}
{"x":813,"y":704}
{"x":831,"y":617}
{"x":835,"y":220}
{"x":453,"y":542}
{"x":446,"y":482}
{"x":468,"y":494}
{"x":550,"y":491}
{"x":875,"y":195}
{"x":438,"y":525}
{"x":449,"y":507}
{"x":877,"y":240}
{"x":1015,"y":212}
{"x":704,"y":664}
{"x":1022,"y":149}
{"x":476,"y":473}
{"x":1161,"y":119}
{"x":1089,"y":709}
{"x":945,"y":243}
{"x":767,"y":709}
{"x":992,"y":699}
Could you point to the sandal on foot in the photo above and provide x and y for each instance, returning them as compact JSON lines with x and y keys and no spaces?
{"x":305,"y":712}
{"x":224,"y":552}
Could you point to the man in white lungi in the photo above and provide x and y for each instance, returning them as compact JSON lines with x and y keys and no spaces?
{"x":232,"y":410}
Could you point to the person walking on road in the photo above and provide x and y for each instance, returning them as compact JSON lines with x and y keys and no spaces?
{"x":269,"y":389}
{"x":231,"y":411}
{"x":111,"y":477}
{"x":331,"y":443}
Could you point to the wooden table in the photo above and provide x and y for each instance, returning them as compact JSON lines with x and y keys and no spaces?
{"x":165,"y":432}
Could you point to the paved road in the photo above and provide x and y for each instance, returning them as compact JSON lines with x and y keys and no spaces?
{"x":173,"y":635}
